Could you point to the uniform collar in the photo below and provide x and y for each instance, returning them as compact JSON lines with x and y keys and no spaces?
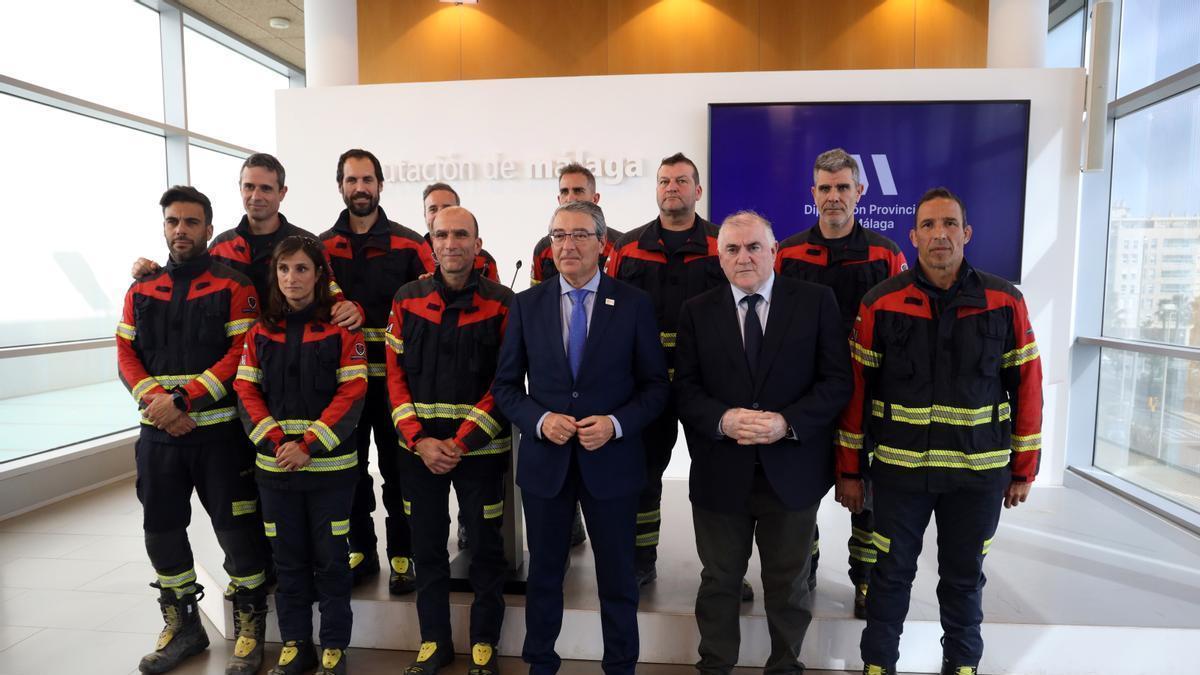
{"x":697,"y":242}
{"x":379,"y":228}
{"x":190,"y":269}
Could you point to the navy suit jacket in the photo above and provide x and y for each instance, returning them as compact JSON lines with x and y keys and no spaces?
{"x":624,"y":374}
{"x":803,"y":373}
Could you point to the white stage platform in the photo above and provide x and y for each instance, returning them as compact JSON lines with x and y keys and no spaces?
{"x":1079,"y":582}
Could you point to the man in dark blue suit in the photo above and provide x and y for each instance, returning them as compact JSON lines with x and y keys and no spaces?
{"x":762,"y":369}
{"x":597,"y":375}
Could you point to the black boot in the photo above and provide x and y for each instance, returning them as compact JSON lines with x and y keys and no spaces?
{"x":182,"y":635}
{"x":250,"y":627}
{"x":870,"y":669}
{"x":403,"y":577}
{"x":333,"y":662}
{"x":296,"y":658}
{"x":951,"y":669}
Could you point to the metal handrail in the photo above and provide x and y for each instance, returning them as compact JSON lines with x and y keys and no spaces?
{"x":56,"y":347}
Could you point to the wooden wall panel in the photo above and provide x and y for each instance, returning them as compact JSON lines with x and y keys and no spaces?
{"x":951,"y":33}
{"x":682,"y":36}
{"x":534,"y":39}
{"x":864,"y":34}
{"x":423,"y":40}
{"x":407,"y":42}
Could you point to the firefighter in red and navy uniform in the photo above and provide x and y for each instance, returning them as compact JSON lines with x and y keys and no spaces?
{"x":371,"y":258}
{"x":444,"y":336}
{"x":948,"y":404}
{"x":840,"y":253}
{"x":178,"y":345}
{"x":247,"y":247}
{"x":301,"y":385}
{"x":438,"y":196}
{"x":673,"y":258}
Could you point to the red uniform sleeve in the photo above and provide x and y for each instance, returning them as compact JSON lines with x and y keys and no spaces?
{"x":613,"y":264}
{"x":425,"y":261}
{"x":483,"y":424}
{"x":262,"y":429}
{"x":896,"y":264}
{"x":404,"y":413}
{"x":132,"y":372}
{"x":340,"y":418}
{"x":1021,"y":373}
{"x":213,"y":384}
{"x":848,"y":442}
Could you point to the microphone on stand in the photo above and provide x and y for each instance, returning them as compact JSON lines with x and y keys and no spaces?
{"x":515,"y":271}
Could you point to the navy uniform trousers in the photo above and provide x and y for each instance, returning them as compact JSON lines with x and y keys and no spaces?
{"x":479,"y":484}
{"x":308,"y":531}
{"x":966,"y":523}
{"x":221,"y":472}
{"x":377,"y":418}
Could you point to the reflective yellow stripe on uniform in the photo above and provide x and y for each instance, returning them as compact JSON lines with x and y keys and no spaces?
{"x":493,"y":511}
{"x":250,"y":374}
{"x":373,"y":334}
{"x":668,"y":339}
{"x":402,"y":411}
{"x":458,"y":411}
{"x":238,"y":326}
{"x":334,"y":289}
{"x":208,"y":417}
{"x":259,"y":432}
{"x":407,"y":507}
{"x":1019,"y":356}
{"x":881,"y":542}
{"x":860,"y":534}
{"x":1026,"y":443}
{"x":315,"y":465}
{"x":987,"y":546}
{"x":171,"y":381}
{"x":339,"y":528}
{"x":648,"y":539}
{"x":865,"y":356}
{"x":394,"y":343}
{"x":143,"y":387}
{"x":251,"y":582}
{"x":269,"y":529}
{"x":377,"y":369}
{"x":942,"y":459}
{"x":496,"y":447}
{"x":351,"y":372}
{"x":942,"y":414}
{"x":246,"y":507}
{"x":182,"y":579}
{"x":127,"y":331}
{"x":850,"y":440}
{"x":214,"y":386}
{"x":649,"y":517}
{"x":864,"y":554}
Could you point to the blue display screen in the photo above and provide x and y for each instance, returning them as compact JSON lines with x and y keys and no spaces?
{"x":761,"y":158}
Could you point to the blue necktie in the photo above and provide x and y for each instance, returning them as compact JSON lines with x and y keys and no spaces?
{"x":577,"y":329}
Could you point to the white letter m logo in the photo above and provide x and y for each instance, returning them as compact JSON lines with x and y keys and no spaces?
{"x":887,"y":185}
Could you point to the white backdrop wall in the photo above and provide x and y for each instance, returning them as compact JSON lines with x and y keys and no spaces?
{"x":505,"y":128}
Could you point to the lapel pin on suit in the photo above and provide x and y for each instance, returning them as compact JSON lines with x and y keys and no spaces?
{"x":610,"y":302}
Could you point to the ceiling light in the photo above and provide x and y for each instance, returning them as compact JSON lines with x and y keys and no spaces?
{"x":460,"y":2}
{"x":279,"y":23}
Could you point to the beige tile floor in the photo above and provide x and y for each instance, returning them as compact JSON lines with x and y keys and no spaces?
{"x":74,"y":599}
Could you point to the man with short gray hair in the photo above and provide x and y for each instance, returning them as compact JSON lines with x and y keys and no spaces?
{"x":762,"y":369}
{"x":840,"y":253}
{"x":596,"y":377}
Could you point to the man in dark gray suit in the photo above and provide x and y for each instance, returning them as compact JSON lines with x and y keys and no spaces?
{"x":762,"y":369}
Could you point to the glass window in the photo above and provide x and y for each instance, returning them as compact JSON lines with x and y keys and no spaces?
{"x":1155,"y":171}
{"x":87,"y":207}
{"x":1064,"y":43}
{"x":216,"y":175}
{"x":105,"y":51}
{"x":38,"y":389}
{"x":1148,"y":423}
{"x":229,"y":96}
{"x":1158,"y":39}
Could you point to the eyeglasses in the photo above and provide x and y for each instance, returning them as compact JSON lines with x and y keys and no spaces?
{"x":578,"y":236}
